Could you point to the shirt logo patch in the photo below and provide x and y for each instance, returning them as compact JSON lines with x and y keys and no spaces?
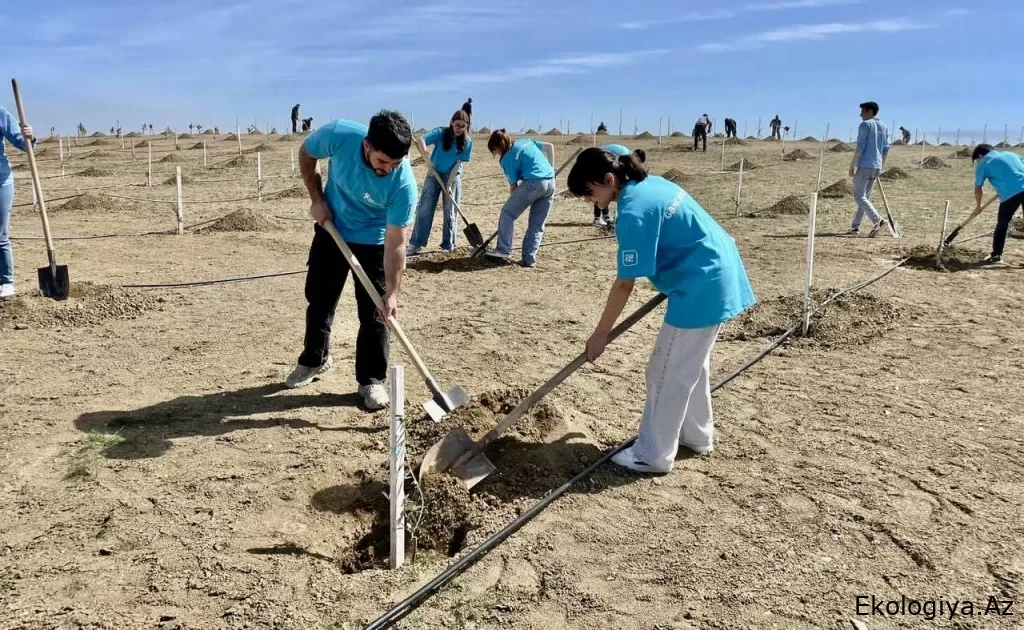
{"x":629,"y":258}
{"x":370,"y":200}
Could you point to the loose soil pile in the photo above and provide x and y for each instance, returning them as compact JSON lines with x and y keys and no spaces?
{"x":842,"y":147}
{"x":174,"y":158}
{"x":963,"y":153}
{"x":578,"y":140}
{"x":645,"y":135}
{"x":1017,"y":227}
{"x":933,"y":162}
{"x":678,"y":134}
{"x":142,"y":144}
{"x":457,"y":260}
{"x":198,"y":145}
{"x":485,"y":130}
{"x":238,"y":162}
{"x":799,"y":154}
{"x":809,"y":139}
{"x":92,"y":171}
{"x":88,"y":304}
{"x":787,"y":205}
{"x":232,"y":137}
{"x":954,"y":258}
{"x":852,"y":319}
{"x":945,"y":144}
{"x":132,"y":134}
{"x":835,"y":140}
{"x":97,"y":143}
{"x":898,"y":143}
{"x":894,"y":173}
{"x":102,"y":154}
{"x":530,"y":132}
{"x":841,"y":188}
{"x":749,"y":164}
{"x":602,"y":132}
{"x":299,"y":192}
{"x":208,"y":132}
{"x":553,"y":132}
{"x":286,"y":138}
{"x":260,"y":148}
{"x":682,"y":148}
{"x":921,"y":143}
{"x":674,"y":174}
{"x":244,"y":220}
{"x":735,"y":141}
{"x":185,"y":179}
{"x":97,"y":134}
{"x":751,"y":137}
{"x":90,"y":202}
{"x":184,"y":136}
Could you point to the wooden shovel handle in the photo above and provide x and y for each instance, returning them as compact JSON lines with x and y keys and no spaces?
{"x":35,"y":179}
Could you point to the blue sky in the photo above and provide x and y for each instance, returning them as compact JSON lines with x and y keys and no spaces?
{"x":929,"y":63}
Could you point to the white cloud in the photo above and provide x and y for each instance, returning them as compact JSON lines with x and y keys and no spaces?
{"x":721,"y":14}
{"x":956,"y":12}
{"x":811,"y":32}
{"x":726,"y":14}
{"x":787,"y":5}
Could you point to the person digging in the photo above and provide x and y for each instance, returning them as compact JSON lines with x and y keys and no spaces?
{"x":1005,"y":171}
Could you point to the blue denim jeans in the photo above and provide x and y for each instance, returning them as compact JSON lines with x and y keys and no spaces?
{"x":6,"y":255}
{"x":425,"y":213}
{"x":863,"y":182}
{"x":537,"y":195}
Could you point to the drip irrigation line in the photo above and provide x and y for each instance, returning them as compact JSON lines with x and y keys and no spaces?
{"x":202,"y":283}
{"x":93,"y":237}
{"x":413,"y":601}
{"x":139,"y":199}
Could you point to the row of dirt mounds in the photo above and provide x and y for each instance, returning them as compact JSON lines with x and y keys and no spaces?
{"x":244,"y":220}
{"x":799,"y":154}
{"x":893,"y":174}
{"x":93,"y":171}
{"x":841,"y":147}
{"x":954,"y":258}
{"x":735,"y":141}
{"x":88,"y":304}
{"x":787,"y":205}
{"x":933,"y":162}
{"x":852,"y":319}
{"x":442,"y":513}
{"x":838,"y":190}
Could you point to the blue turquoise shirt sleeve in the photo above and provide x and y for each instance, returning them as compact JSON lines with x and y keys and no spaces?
{"x":11,"y":129}
{"x":638,"y":246}
{"x":402,"y":210}
{"x":433,"y":136}
{"x":466,"y":154}
{"x":862,"y":137}
{"x":979,"y":174}
{"x":324,"y":142}
{"x":509,"y":165}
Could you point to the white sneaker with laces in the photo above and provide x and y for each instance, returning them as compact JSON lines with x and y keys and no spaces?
{"x":599,"y":222}
{"x":7,"y":290}
{"x":302,"y":375}
{"x":375,"y":396}
{"x":628,"y":459}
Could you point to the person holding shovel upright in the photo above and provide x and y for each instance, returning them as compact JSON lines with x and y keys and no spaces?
{"x":1005,"y":171}
{"x":17,"y":135}
{"x":452,"y":147}
{"x":370,"y":198}
{"x":666,"y":236}
{"x":868,"y":160}
{"x":532,"y":185}
{"x":601,"y":217}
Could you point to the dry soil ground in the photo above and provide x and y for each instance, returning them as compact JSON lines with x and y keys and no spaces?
{"x":155,"y":474}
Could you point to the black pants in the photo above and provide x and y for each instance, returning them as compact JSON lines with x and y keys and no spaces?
{"x":730,"y":130}
{"x":325,"y":279}
{"x":700,"y":133}
{"x":295,"y":125}
{"x":1006,"y":211}
{"x":598,"y":213}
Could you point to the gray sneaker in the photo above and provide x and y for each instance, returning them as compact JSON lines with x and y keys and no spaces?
{"x":375,"y":396}
{"x":302,"y":375}
{"x":878,"y":228}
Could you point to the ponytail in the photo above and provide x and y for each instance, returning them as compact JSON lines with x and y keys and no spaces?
{"x":594,"y":163}
{"x":499,"y":142}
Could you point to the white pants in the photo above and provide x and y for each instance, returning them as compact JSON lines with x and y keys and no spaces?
{"x":678,"y":407}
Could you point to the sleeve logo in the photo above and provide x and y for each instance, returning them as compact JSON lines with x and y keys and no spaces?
{"x":629,"y":258}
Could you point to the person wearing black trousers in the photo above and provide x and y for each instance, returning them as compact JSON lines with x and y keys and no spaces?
{"x":730,"y":128}
{"x":700,"y":132}
{"x":295,"y":119}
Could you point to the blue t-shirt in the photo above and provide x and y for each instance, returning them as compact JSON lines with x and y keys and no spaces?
{"x":11,"y":130}
{"x":525,"y":161}
{"x":363,"y":203}
{"x":1005,"y":170}
{"x":872,"y":143}
{"x":616,"y":149}
{"x":443,"y":160}
{"x":666,"y":236}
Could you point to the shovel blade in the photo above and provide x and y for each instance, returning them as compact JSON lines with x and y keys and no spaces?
{"x":443,"y":404}
{"x":473,"y":235}
{"x":54,"y":285}
{"x":443,"y":455}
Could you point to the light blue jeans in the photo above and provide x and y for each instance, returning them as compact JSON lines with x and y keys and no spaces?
{"x":537,"y":195}
{"x":863,"y":183}
{"x":425,"y":213}
{"x":6,"y":254}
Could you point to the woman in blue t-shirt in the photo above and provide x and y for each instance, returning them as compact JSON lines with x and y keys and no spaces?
{"x":531,"y":181}
{"x":18,"y":135}
{"x":452,"y":147}
{"x":664,"y":235}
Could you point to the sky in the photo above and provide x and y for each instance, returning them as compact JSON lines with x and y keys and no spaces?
{"x":930,"y":64}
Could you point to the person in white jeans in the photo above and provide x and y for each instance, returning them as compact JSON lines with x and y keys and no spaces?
{"x":666,"y":236}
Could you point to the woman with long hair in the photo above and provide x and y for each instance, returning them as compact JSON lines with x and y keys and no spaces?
{"x":452,"y":146}
{"x":531,"y":179}
{"x":666,"y":236}
{"x":18,"y":135}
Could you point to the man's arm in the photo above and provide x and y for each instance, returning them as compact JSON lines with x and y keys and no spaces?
{"x":978,"y":191}
{"x":395,"y":241}
{"x":310,"y":177}
{"x":979,"y":184}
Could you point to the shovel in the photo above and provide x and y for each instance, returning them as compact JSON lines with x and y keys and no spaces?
{"x":472,"y":232}
{"x":460,"y":454}
{"x":481,"y":248}
{"x":894,"y":227}
{"x":53,"y":280}
{"x":956,"y":230}
{"x":442,"y":402}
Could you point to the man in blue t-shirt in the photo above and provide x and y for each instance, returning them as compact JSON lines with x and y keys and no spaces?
{"x":1005,"y":171}
{"x":370,"y":197}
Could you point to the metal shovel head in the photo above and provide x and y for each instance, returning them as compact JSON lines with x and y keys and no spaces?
{"x":473,"y":235}
{"x":54,"y":285}
{"x":443,"y":455}
{"x":441,"y":405}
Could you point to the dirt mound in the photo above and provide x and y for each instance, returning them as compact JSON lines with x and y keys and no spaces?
{"x":208,"y":132}
{"x":454,"y":261}
{"x":97,"y":143}
{"x":749,"y":164}
{"x":579,"y":139}
{"x":286,"y":138}
{"x":255,"y":132}
{"x":1004,"y":145}
{"x":751,"y":137}
{"x":96,"y":134}
{"x":298,"y":192}
{"x":142,"y":144}
{"x":552,"y":132}
{"x":231,"y":137}
{"x":185,"y":179}
{"x":132,"y":134}
{"x":184,"y":136}
{"x":259,"y":148}
{"x":40,"y":152}
{"x":809,"y":139}
{"x":89,"y":304}
{"x":239,"y":161}
{"x":853,"y":319}
{"x":530,"y":132}
{"x":799,"y":154}
{"x":244,"y":220}
{"x":719,"y":135}
{"x":92,"y":171}
{"x":841,"y":188}
{"x":835,"y":140}
{"x":788,"y":205}
{"x":682,"y":148}
{"x":102,"y":154}
{"x":674,"y":175}
{"x":922,"y":143}
{"x":174,"y":158}
{"x":90,"y":202}
{"x":954,"y":258}
{"x":894,"y":173}
{"x":898,"y":143}
{"x":198,"y":145}
{"x":963,"y":153}
{"x":643,"y":136}
{"x":933,"y":162}
{"x":678,"y":134}
{"x":734,"y":141}
{"x":841,"y":147}
{"x":945,"y":144}
{"x":485,"y":131}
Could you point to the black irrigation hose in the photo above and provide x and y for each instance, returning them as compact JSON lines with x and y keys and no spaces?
{"x":203,"y":283}
{"x":410,"y":603}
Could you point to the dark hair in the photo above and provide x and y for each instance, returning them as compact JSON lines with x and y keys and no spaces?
{"x":449,"y":133}
{"x":641,"y":155}
{"x":871,"y":106}
{"x":981,"y":151}
{"x":499,"y":142}
{"x":390,"y":133}
{"x":594,"y":163}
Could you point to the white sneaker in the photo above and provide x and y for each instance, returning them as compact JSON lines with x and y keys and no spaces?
{"x":493,"y":253}
{"x":302,"y":375}
{"x":599,"y":222}
{"x":7,"y":290}
{"x":699,"y":450}
{"x":413,"y":250}
{"x":628,"y":459}
{"x":375,"y":396}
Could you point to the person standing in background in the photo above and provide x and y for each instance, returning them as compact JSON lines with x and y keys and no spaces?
{"x":776,"y":125}
{"x":18,"y":135}
{"x":730,"y":128}
{"x":701,"y":129}
{"x":452,"y":146}
{"x":906,"y":135}
{"x":468,"y":108}
{"x":867,"y":163}
{"x":295,"y":119}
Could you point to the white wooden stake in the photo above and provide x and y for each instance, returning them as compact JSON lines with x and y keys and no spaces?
{"x":795,"y":121}
{"x":783,"y":144}
{"x":739,"y":190}
{"x":806,"y":321}
{"x":938,"y":137}
{"x":744,"y":130}
{"x":35,"y":201}
{"x":924,"y":143}
{"x":821,"y":160}
{"x":259,"y":177}
{"x":620,"y":121}
{"x":942,"y":236}
{"x":149,"y":176}
{"x":1006,"y":134}
{"x":396,"y":458}
{"x":60,"y":143}
{"x":204,"y":153}
{"x":133,"y":152}
{"x":759,"y":128}
{"x":984,"y":134}
{"x":956,"y":145}
{"x":176,"y":147}
{"x":1021,"y":141}
{"x":291,"y":157}
{"x":723,"y":154}
{"x":659,"y":132}
{"x":180,"y":207}
{"x":238,"y":136}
